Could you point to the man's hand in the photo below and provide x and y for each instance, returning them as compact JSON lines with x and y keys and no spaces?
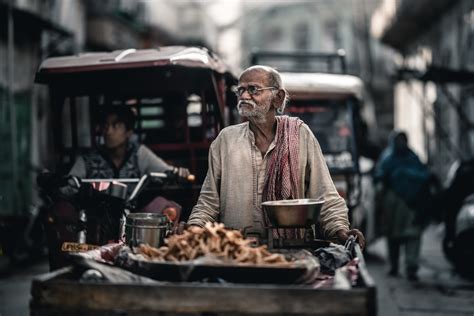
{"x":183,"y":173}
{"x":180,"y":228}
{"x":171,"y":212}
{"x":344,"y":234}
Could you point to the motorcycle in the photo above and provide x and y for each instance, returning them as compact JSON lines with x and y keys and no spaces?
{"x":456,"y":203}
{"x":85,"y":213}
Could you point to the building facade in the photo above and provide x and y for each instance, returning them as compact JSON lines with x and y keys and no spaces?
{"x":31,"y":31}
{"x":326,"y":26}
{"x":434,"y":95}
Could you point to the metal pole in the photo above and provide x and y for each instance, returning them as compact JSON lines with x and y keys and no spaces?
{"x":367,"y":44}
{"x":11,"y":104}
{"x":424,"y":115}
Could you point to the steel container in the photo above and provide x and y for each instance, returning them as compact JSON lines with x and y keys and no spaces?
{"x":149,"y":228}
{"x":293,"y":213}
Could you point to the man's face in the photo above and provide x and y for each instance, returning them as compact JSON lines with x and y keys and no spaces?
{"x":115,"y":132}
{"x":258,"y":105}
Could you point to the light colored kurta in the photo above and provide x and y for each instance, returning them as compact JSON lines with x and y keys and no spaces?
{"x":232,"y":190}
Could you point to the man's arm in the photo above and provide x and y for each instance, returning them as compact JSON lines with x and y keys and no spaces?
{"x":208,"y":205}
{"x":149,"y":162}
{"x":79,"y":168}
{"x":333,"y":216}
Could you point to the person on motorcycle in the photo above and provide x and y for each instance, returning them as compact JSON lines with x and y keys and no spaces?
{"x":401,"y":181}
{"x":120,"y":156}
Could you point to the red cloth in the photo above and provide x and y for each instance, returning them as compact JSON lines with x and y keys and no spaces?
{"x":160,"y":205}
{"x":282,"y":174}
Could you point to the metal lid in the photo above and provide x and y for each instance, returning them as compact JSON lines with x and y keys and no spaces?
{"x":293,"y":202}
{"x":147,"y":219}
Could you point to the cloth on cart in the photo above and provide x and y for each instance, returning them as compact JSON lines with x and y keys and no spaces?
{"x":99,"y":272}
{"x":332,"y":257}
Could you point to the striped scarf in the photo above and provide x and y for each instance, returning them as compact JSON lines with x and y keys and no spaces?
{"x":282,"y":174}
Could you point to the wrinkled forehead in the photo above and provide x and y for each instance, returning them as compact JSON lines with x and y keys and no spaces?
{"x":254,"y":76}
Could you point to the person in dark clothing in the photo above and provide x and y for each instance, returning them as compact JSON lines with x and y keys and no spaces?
{"x":120,"y":157}
{"x":401,"y":179}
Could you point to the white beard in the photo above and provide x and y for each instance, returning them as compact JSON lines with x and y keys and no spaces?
{"x":256,"y":113}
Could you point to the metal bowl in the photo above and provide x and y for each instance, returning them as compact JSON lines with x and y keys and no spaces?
{"x":150,"y":228}
{"x":293,"y":213}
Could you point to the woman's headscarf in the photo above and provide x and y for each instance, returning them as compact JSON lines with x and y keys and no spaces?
{"x":401,"y":169}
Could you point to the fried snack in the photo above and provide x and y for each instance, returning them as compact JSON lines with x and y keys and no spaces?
{"x":227,"y":245}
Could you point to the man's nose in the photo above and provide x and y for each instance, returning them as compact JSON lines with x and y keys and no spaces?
{"x":246,"y":94}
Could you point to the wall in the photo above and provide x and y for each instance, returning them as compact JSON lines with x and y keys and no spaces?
{"x":325,"y":26}
{"x":449,"y":43}
{"x":24,"y":131}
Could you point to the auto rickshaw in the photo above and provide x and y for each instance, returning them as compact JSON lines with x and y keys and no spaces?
{"x":328,"y":104}
{"x":181,"y":95}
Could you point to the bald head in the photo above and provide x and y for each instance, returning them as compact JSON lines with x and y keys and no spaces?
{"x":273,"y":79}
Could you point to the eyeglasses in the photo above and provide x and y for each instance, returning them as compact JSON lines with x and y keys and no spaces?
{"x":251,"y":89}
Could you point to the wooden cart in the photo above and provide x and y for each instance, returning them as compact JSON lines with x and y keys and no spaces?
{"x":60,"y":293}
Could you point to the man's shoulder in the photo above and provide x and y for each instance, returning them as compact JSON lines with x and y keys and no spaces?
{"x":230,"y":135}
{"x":233,"y":130}
{"x":307,"y":136}
{"x":236,"y":127}
{"x":143,"y":149}
{"x":145,"y":153}
{"x":305,"y":131}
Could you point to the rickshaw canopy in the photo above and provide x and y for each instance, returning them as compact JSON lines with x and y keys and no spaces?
{"x":161,"y":68}
{"x":322,"y":85}
{"x":181,"y":96}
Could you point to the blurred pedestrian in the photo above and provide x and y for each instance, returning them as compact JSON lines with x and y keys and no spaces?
{"x":401,"y":187}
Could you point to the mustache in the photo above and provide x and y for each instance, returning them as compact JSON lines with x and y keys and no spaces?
{"x":249,"y":102}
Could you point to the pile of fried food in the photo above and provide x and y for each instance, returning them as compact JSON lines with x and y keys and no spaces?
{"x":213,"y":239}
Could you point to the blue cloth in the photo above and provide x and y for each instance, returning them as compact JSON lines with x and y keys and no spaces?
{"x":402,"y":171}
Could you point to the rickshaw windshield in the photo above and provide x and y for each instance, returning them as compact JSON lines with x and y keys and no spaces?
{"x":331,"y":122}
{"x":162,"y":118}
{"x":170,"y":123}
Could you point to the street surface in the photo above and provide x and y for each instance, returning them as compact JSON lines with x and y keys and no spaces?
{"x":439,"y":292}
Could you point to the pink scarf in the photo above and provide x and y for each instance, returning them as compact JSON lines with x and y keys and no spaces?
{"x":282,"y":175}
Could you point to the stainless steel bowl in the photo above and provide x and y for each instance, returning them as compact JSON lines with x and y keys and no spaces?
{"x":150,"y":228}
{"x":293,"y":213}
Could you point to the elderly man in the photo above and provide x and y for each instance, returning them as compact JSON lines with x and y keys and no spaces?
{"x":269,"y":157}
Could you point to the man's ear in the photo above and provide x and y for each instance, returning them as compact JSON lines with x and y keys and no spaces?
{"x":129,"y":133}
{"x":279,"y":98}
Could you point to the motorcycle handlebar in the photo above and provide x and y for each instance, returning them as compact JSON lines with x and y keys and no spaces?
{"x":162,"y":175}
{"x":141,"y":182}
{"x":49,"y":181}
